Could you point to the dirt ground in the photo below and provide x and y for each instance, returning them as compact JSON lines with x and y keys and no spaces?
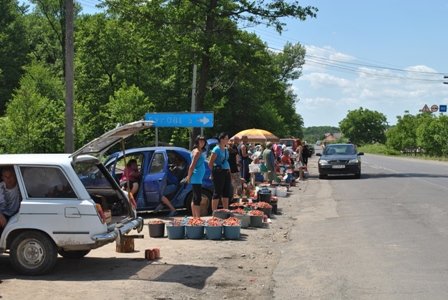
{"x":187,"y":269}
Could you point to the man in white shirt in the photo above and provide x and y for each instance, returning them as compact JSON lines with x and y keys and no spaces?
{"x":9,"y":196}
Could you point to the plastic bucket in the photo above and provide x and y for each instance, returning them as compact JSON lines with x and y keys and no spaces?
{"x":175,"y":232}
{"x":156,"y":230}
{"x":232,"y":232}
{"x":221,"y":214}
{"x":282,"y":191}
{"x":256,"y":221}
{"x":194,"y":232}
{"x":273,"y":190}
{"x":267,"y":211}
{"x":213,"y":232}
{"x":244,"y":219}
{"x":264,"y":196}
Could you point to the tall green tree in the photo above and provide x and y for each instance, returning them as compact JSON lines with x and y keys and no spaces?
{"x":207,"y":24}
{"x":363,"y":126}
{"x":403,"y":136}
{"x":34,"y":119}
{"x":432,"y":135}
{"x":13,"y":48}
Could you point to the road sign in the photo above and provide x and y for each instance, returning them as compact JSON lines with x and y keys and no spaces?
{"x":442,"y":108}
{"x":425,"y":109}
{"x":434,"y":108}
{"x":174,"y":119}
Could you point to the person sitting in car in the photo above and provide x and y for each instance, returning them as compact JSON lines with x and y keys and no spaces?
{"x":9,"y":196}
{"x":131,"y":179}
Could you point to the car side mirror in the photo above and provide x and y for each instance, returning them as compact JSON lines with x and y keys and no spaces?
{"x":361,"y":153}
{"x":318,"y":154}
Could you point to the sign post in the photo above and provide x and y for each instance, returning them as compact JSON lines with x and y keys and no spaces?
{"x":196,"y":119}
{"x":175,"y":119}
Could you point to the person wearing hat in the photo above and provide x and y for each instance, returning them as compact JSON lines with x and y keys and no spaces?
{"x":269,"y":161}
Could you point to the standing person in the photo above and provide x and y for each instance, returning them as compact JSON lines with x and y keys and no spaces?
{"x":196,"y":173}
{"x":277,"y":148}
{"x":9,"y":196}
{"x":233,"y":162}
{"x":269,"y":161}
{"x":299,"y":159}
{"x":219,"y":164}
{"x":243,"y":152}
{"x":305,"y":155}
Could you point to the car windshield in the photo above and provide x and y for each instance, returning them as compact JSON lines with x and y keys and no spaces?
{"x":91,"y":175}
{"x":340,"y":150}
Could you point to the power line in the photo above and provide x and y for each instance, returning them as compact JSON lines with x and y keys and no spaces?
{"x":375,"y":66}
{"x":358,"y":71}
{"x":275,"y":37}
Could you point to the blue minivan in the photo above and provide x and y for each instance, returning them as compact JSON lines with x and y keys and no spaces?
{"x":159,"y":167}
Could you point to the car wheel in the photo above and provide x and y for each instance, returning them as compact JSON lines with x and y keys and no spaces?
{"x":206,"y":207}
{"x":73,"y":254}
{"x":33,"y":253}
{"x":322,"y":176}
{"x":358,"y":175}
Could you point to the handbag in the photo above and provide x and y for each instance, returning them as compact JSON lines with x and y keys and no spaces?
{"x":263,"y":168}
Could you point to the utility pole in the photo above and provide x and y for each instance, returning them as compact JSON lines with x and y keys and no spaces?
{"x":69,"y":78}
{"x":193,"y":101}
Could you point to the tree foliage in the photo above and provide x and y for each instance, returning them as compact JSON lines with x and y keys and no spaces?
{"x":432,"y":136}
{"x":209,"y":28}
{"x":13,"y":48}
{"x":35,"y":115}
{"x":138,"y":57}
{"x":363,"y":126}
{"x":317,"y":133}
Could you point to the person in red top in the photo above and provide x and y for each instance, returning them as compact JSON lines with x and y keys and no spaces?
{"x":286,"y":158}
{"x":131,"y":177}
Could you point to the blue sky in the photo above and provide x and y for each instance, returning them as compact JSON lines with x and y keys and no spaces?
{"x":388,"y":56}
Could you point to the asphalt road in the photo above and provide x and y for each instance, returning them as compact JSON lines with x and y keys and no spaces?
{"x":383,"y":236}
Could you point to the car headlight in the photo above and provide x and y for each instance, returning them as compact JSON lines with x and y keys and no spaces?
{"x":353,"y":161}
{"x":323,"y":162}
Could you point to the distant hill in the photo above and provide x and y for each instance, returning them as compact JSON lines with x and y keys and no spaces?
{"x":317,"y":133}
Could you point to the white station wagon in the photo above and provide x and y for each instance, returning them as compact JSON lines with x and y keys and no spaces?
{"x":70,"y":204}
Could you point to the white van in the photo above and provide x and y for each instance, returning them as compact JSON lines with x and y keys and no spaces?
{"x":70,"y":204}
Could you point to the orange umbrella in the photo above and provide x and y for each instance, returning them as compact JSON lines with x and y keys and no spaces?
{"x":255,"y":135}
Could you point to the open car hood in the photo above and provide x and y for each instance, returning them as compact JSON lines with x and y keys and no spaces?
{"x":101,"y":144}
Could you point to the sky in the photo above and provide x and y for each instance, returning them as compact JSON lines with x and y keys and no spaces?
{"x":388,"y":56}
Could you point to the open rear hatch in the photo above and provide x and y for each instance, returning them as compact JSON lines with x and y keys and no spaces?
{"x":101,"y":144}
{"x":112,"y":204}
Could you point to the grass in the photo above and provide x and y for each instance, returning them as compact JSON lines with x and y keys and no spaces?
{"x":384,"y":150}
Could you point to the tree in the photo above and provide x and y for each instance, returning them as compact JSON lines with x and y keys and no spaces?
{"x":127,"y":105}
{"x":13,"y":48}
{"x":317,"y":133}
{"x":35,"y":114}
{"x":431,"y":136}
{"x":403,"y":136}
{"x":206,"y":24}
{"x":363,"y":126}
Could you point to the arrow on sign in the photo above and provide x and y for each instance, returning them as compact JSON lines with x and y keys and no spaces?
{"x":204,"y":120}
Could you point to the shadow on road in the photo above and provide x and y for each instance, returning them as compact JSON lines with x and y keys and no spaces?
{"x":97,"y":269}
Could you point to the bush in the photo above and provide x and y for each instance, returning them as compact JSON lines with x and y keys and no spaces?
{"x":378,"y":149}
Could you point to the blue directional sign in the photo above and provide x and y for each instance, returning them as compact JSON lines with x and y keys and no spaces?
{"x":442,"y":108}
{"x":173,"y":119}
